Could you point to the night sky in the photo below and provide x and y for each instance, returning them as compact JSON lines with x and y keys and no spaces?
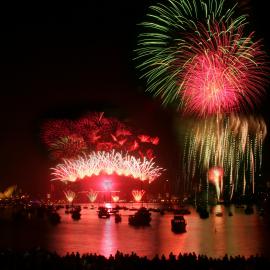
{"x":61,"y":60}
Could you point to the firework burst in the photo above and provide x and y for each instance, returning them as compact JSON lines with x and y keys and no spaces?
{"x":92,"y":195}
{"x":70,"y":195}
{"x":196,"y":54}
{"x":138,"y":194}
{"x":68,"y":147}
{"x":106,"y":163}
{"x":95,"y":132}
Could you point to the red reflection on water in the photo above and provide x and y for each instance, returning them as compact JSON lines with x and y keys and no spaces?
{"x":109,"y":240}
{"x":240,"y":234}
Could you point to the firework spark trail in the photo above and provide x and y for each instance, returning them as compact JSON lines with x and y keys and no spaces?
{"x":92,"y":195}
{"x":138,"y":194}
{"x":196,"y":53}
{"x":215,"y":175}
{"x":236,"y":148}
{"x":106,"y":162}
{"x":70,"y":195}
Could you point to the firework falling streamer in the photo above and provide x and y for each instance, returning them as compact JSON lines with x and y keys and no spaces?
{"x":106,"y":163}
{"x":236,"y":149}
{"x":215,"y":175}
{"x":138,"y":194}
{"x":70,"y":195}
{"x":196,"y":54}
{"x":92,"y":195}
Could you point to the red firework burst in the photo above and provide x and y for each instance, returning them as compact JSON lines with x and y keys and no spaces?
{"x":68,"y":147}
{"x":95,"y":132}
{"x":225,"y":73}
{"x":54,"y":130}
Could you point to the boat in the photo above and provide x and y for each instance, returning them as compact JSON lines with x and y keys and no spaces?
{"x":54,"y":217}
{"x":203,"y":213}
{"x":76,"y":215}
{"x":219,"y":214}
{"x":249,"y":210}
{"x":178,"y":224}
{"x":103,"y":212}
{"x":141,"y":218}
{"x":162,"y":212}
{"x":117,"y":218}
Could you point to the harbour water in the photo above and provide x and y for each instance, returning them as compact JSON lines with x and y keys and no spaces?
{"x":216,"y":236}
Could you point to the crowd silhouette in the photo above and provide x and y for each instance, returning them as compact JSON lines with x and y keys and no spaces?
{"x":40,"y":259}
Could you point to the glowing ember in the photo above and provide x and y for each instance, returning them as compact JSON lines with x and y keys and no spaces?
{"x":138,"y":194}
{"x":106,"y":163}
{"x":115,"y":198}
{"x":70,"y":195}
{"x":92,"y":195}
{"x":215,"y":175}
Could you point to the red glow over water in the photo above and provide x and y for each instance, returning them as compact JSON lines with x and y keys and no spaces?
{"x":240,"y":234}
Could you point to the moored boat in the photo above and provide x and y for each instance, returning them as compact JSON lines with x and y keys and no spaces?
{"x":117,"y":218}
{"x":178,"y":224}
{"x":103,"y":212}
{"x":141,"y":218}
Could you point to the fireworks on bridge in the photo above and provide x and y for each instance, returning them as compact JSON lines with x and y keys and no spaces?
{"x":115,"y":198}
{"x":108,"y":163}
{"x":92,"y":195}
{"x":138,"y":194}
{"x":197,"y":54}
{"x":70,"y":195}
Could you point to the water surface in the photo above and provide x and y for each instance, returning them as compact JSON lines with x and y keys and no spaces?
{"x":240,"y":234}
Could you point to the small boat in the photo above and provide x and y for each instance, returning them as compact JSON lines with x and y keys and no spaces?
{"x":203,"y":213}
{"x":219,"y":214}
{"x":76,"y":215}
{"x":249,"y":210}
{"x":178,"y":224}
{"x":54,"y":217}
{"x":261,"y":212}
{"x":117,"y":218}
{"x":141,"y":218}
{"x":162,"y":212}
{"x":103,"y":212}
